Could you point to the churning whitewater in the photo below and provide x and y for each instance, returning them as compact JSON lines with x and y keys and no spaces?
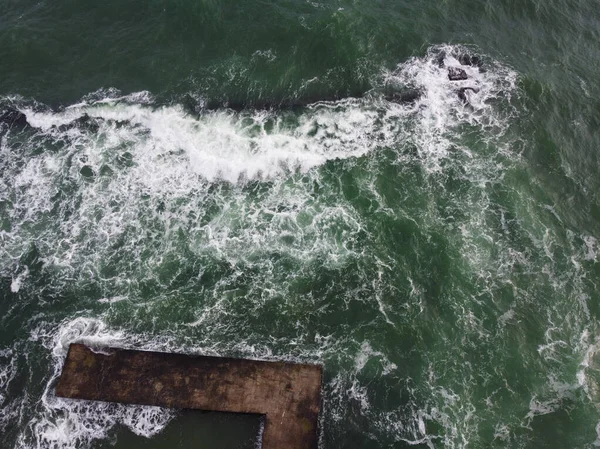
{"x":395,"y":242}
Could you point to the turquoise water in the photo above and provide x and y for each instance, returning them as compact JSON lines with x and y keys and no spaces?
{"x":237,"y":179}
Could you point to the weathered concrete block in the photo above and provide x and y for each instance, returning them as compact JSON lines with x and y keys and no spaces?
{"x":288,"y":394}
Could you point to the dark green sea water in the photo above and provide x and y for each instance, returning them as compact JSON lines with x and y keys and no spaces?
{"x":230,"y":178}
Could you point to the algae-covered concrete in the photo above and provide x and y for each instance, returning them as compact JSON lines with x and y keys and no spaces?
{"x":288,"y":394}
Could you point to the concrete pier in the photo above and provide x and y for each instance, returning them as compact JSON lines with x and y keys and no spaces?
{"x":287,"y":394}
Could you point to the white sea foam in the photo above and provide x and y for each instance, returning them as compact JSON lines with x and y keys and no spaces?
{"x":366,"y":353}
{"x":7,"y":372}
{"x":224,"y":145}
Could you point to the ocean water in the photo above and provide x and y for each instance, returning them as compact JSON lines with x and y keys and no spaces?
{"x":238,"y":179}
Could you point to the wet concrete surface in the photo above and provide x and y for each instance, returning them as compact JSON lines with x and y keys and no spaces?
{"x":287,"y":394}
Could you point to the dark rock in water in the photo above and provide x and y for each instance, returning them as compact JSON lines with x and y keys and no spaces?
{"x":462,"y":93}
{"x":210,"y":104}
{"x":120,"y":123}
{"x":12,"y":117}
{"x":465,"y":59}
{"x":474,"y":61}
{"x":239,"y":106}
{"x":456,"y":74}
{"x":87,"y":122}
{"x":83,"y":122}
{"x":191,"y":105}
{"x":87,"y":171}
{"x":439,"y":60}
{"x":406,"y":97}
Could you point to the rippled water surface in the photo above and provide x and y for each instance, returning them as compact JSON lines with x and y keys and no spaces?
{"x":302,"y":181}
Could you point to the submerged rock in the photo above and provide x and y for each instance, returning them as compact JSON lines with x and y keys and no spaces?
{"x":191,"y":105}
{"x":471,"y":60}
{"x":439,"y":60}
{"x":405,"y":97}
{"x":83,"y":122}
{"x":466,"y":59}
{"x":462,"y":93}
{"x":456,"y":74}
{"x":13,"y":117}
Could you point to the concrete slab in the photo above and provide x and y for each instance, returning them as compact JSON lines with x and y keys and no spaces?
{"x":287,"y":394}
